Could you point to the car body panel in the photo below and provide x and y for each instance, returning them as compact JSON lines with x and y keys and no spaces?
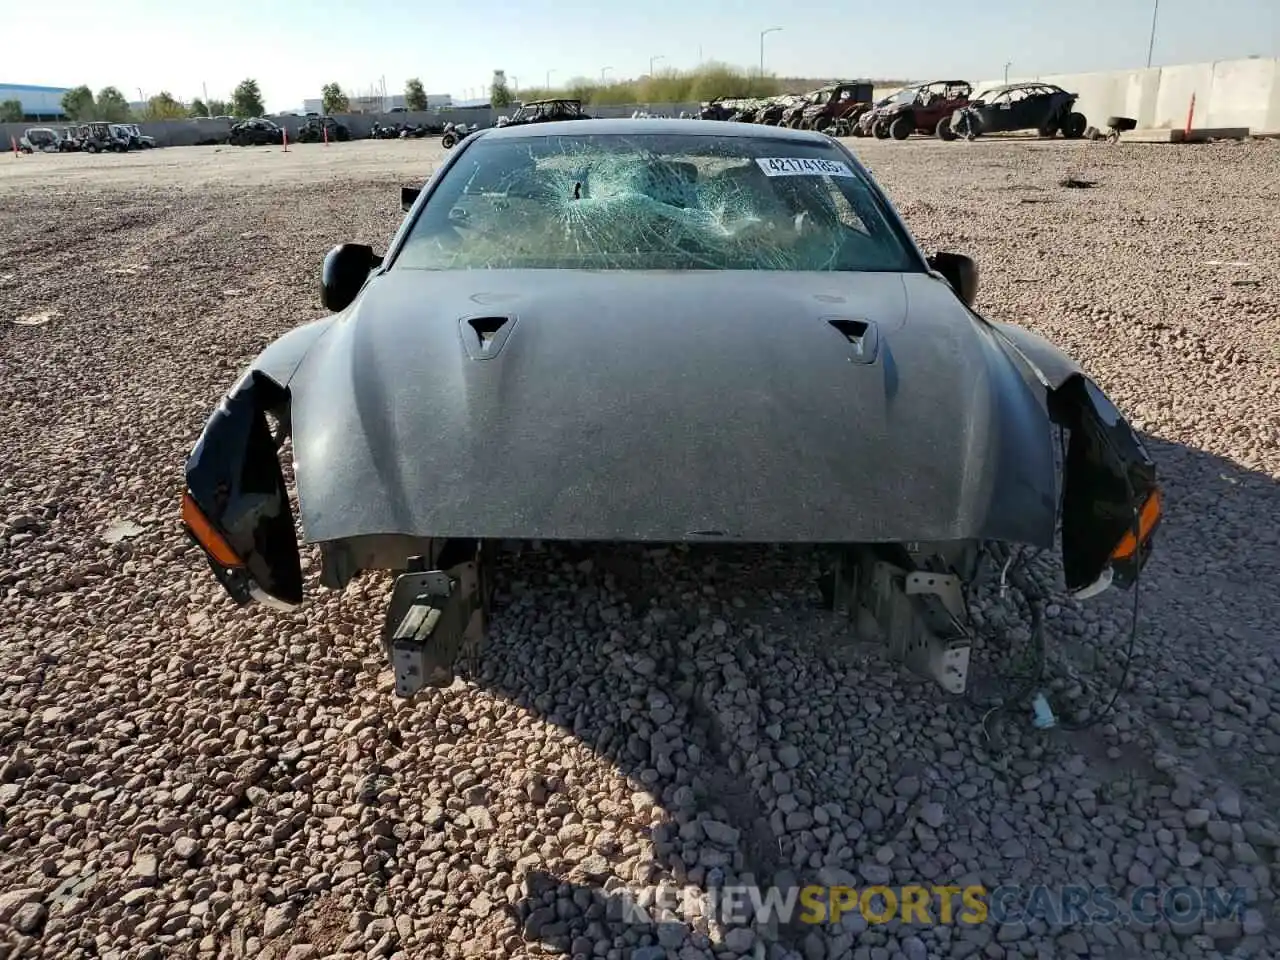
{"x":397,"y":429}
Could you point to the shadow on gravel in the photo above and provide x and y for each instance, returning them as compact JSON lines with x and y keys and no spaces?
{"x":671,"y":667}
{"x":647,"y":656}
{"x":1209,"y":609}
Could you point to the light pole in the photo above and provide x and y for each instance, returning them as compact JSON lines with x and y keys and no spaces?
{"x":1006,"y":72}
{"x":1155,"y":13}
{"x":653,"y":60}
{"x":763,"y":34}
{"x":549,"y":73}
{"x":604,"y":70}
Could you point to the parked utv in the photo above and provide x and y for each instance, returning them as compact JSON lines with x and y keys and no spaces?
{"x":926,"y":108}
{"x":255,"y":132}
{"x":547,"y":111}
{"x":836,"y":108}
{"x":1044,"y":107}
{"x":323,"y":128}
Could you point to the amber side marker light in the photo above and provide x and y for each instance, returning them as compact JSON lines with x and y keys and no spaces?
{"x":206,"y":535}
{"x":1147,"y":519}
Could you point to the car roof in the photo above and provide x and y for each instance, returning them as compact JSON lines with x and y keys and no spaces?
{"x":1005,"y":88}
{"x":627,"y":125}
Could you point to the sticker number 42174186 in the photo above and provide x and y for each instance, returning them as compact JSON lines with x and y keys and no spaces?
{"x":802,"y":167}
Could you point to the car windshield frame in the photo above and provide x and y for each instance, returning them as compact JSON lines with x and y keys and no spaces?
{"x":734,"y":197}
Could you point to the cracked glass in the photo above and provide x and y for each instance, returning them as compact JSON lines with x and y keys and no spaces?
{"x":654,"y":202}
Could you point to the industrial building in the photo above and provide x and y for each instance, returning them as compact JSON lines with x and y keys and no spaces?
{"x":38,"y":103}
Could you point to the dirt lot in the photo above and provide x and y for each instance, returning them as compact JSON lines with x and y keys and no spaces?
{"x":179,"y":777}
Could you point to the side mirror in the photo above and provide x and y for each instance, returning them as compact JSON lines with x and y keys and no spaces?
{"x":408,"y":196}
{"x":960,"y":271}
{"x":346,"y":268}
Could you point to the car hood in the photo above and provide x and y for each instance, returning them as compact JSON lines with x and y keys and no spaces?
{"x":668,"y":406}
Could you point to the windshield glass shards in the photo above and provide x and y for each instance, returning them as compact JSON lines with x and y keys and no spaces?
{"x":653,"y":202}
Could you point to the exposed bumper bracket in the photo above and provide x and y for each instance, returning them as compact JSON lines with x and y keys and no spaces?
{"x":431,"y":616}
{"x":918,"y":615}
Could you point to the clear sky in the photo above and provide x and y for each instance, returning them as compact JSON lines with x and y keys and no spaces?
{"x":292,"y":48}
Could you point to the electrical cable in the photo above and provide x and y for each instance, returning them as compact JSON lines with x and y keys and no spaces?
{"x":1133,"y":627}
{"x":1034,"y":599}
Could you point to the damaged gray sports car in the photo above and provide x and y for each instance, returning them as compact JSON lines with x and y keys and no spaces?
{"x":662,"y":332}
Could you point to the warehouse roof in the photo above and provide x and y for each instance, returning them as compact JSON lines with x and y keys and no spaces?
{"x":32,"y":88}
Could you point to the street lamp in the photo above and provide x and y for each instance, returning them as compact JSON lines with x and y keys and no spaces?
{"x":653,"y":60}
{"x":603,"y":71}
{"x":1006,"y":72}
{"x":1155,"y":12}
{"x":549,"y":73}
{"x":763,"y":34}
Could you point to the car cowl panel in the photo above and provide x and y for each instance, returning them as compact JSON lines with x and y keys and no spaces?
{"x":664,"y":406}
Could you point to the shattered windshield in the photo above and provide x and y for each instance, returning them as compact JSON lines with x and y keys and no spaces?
{"x":654,"y":202}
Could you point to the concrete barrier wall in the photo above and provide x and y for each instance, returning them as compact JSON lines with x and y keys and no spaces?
{"x":1229,"y":93}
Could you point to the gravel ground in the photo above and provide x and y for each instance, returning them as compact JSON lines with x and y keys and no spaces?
{"x":180,"y":777}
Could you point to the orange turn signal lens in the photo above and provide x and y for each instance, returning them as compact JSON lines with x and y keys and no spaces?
{"x":213,"y":542}
{"x":1147,"y":519}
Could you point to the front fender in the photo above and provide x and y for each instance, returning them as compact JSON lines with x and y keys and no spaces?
{"x":1050,"y":365}
{"x":282,"y":357}
{"x":1111,"y":502}
{"x":236,"y":507}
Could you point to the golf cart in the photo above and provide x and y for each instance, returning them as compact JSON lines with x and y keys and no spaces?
{"x":42,"y":139}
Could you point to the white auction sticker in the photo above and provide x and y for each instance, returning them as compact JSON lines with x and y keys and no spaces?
{"x":802,"y":167}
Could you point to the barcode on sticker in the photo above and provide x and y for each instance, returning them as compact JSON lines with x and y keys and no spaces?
{"x":802,"y":167}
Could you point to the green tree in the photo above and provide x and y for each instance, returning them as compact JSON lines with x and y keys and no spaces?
{"x":198,"y":109}
{"x":112,"y":106}
{"x":415,"y":97}
{"x":333,"y":100}
{"x":78,"y":104}
{"x":163,"y":107}
{"x":499,"y":91}
{"x":219,"y":108}
{"x":246,"y":100}
{"x":11,"y":111}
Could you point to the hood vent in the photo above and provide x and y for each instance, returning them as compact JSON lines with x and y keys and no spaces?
{"x":860,"y":334}
{"x":484,"y":337}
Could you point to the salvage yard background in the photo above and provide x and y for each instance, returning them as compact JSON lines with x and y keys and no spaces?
{"x":1229,"y":93}
{"x":179,"y":777}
